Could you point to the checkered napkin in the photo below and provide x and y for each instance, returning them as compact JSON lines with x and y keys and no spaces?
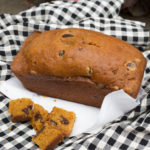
{"x":131,"y":131}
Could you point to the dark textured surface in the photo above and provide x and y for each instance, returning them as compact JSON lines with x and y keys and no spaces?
{"x":145,"y":19}
{"x":12,"y":6}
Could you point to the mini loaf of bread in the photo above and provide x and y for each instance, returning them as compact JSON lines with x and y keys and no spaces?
{"x":78,"y":65}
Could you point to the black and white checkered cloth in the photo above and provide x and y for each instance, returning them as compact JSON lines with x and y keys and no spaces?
{"x":131,"y":131}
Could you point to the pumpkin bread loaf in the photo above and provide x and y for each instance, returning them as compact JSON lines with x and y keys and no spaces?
{"x":78,"y":65}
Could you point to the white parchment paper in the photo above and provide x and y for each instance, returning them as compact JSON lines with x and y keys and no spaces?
{"x":88,"y":119}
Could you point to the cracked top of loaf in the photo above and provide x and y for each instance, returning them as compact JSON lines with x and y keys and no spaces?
{"x":71,"y":54}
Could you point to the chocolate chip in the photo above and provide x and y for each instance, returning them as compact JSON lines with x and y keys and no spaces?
{"x":83,"y":42}
{"x":34,"y":62}
{"x":53,"y":123}
{"x":29,"y":107}
{"x":25,"y":110}
{"x":37,"y":116}
{"x":67,"y":35}
{"x":42,"y":129}
{"x":89,"y":70}
{"x":131,"y":66}
{"x":61,"y":53}
{"x":64,"y":120}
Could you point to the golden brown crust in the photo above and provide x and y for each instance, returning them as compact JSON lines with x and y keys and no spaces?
{"x":20,"y":63}
{"x":69,"y":53}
